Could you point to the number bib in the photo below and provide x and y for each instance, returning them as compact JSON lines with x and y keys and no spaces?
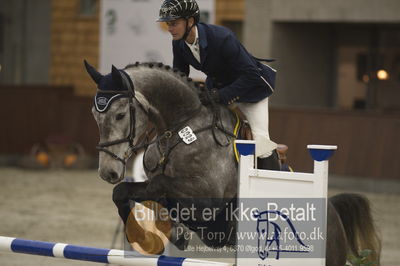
{"x":187,"y":135}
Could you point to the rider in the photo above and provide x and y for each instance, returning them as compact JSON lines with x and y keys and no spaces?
{"x":233,"y":74}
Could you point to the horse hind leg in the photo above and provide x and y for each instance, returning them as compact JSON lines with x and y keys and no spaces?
{"x":355,"y":214}
{"x":336,"y":253}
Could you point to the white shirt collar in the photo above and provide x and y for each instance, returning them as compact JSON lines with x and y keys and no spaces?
{"x":195,"y":47}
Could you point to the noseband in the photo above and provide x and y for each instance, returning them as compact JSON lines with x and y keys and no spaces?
{"x":130,"y":94}
{"x":132,"y":133}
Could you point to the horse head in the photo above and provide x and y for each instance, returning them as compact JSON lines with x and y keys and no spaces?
{"x":121,"y":116}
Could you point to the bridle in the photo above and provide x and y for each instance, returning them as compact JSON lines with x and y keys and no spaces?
{"x":130,"y":94}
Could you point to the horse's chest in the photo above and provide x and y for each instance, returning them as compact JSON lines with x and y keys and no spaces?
{"x":174,"y":160}
{"x":158,"y":160}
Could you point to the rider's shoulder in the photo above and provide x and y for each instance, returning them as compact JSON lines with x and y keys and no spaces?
{"x":177,"y":44}
{"x":218,"y":32}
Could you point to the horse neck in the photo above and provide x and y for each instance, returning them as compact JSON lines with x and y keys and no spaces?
{"x":170,"y":97}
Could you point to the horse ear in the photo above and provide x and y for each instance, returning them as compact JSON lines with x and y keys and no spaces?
{"x":116,"y":76}
{"x":94,"y":74}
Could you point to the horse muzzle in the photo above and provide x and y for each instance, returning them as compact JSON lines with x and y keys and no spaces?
{"x":111,"y":176}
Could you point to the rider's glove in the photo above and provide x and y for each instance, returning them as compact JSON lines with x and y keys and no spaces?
{"x":208,"y":97}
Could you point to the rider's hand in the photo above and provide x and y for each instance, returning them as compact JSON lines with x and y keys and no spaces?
{"x":208,"y":97}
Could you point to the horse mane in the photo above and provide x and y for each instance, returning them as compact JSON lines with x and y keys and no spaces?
{"x":166,"y":68}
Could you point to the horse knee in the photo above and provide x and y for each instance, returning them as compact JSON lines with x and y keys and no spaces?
{"x":121,"y":194}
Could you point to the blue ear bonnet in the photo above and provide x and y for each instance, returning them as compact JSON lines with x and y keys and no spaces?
{"x":110,"y":87}
{"x":109,"y":92}
{"x":113,"y":86}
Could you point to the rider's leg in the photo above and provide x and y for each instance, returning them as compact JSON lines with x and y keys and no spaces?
{"x":270,"y":163}
{"x":258,"y":117}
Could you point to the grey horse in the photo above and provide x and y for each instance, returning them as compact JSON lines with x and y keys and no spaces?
{"x":198,"y":168}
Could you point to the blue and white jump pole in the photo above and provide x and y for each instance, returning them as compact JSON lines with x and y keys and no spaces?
{"x":114,"y":256}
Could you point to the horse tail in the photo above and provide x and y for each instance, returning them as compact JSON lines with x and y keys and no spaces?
{"x":355,"y":213}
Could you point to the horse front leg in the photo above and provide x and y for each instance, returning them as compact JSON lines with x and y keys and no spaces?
{"x":126,"y":194}
{"x":216,"y":231}
{"x":138,"y":218}
{"x":145,"y":224}
{"x":156,"y":191}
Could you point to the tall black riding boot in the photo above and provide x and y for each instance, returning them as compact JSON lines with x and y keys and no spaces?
{"x":269,"y":163}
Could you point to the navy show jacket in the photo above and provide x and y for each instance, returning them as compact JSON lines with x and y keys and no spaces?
{"x":229,"y":67}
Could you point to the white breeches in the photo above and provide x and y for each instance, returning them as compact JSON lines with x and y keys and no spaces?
{"x":257,"y":115}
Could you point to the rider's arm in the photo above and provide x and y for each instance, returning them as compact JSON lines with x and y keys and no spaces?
{"x":240,"y":61}
{"x":178,"y":61}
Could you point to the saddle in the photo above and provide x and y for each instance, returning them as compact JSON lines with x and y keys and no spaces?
{"x":244,"y":131}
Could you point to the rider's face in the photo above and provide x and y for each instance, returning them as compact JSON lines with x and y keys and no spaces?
{"x":177,"y":28}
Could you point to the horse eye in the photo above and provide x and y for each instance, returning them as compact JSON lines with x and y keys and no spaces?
{"x":119,"y":116}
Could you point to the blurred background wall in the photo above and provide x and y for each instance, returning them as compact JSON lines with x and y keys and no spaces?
{"x":43,"y":86}
{"x":331,"y":52}
{"x":338,"y":78}
{"x":25,"y":41}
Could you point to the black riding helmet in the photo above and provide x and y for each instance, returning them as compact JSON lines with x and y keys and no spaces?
{"x":175,"y":9}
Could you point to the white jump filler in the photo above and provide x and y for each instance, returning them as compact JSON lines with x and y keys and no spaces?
{"x":256,"y":183}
